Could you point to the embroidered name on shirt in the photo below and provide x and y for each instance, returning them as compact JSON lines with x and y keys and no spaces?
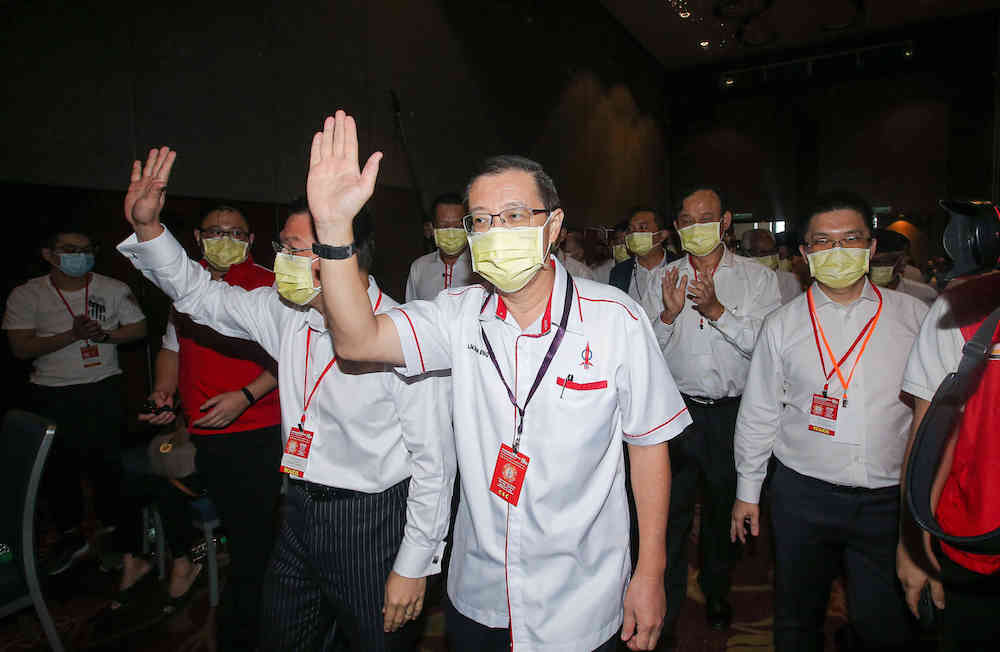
{"x":473,"y":347}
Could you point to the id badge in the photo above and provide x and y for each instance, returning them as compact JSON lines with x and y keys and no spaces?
{"x":91,"y":355}
{"x":508,"y":476}
{"x":823,"y":415}
{"x":295,"y":459}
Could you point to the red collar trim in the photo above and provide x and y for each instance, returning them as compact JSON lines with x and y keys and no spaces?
{"x":546,"y":318}
{"x":237,"y":266}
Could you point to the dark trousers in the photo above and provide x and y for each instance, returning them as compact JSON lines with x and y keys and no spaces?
{"x":703,"y":452}
{"x":820,"y":528}
{"x":240,"y":473}
{"x":334,"y":553}
{"x":467,"y":634}
{"x":970,"y":619}
{"x":89,"y":420}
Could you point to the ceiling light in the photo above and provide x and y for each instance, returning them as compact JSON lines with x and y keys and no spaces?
{"x":908,"y":52}
{"x":684,"y":14}
{"x":704,"y":44}
{"x":729,"y":81}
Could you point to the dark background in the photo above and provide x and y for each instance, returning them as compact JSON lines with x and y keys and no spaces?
{"x":614,"y":98}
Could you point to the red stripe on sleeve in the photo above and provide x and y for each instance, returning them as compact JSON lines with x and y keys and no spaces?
{"x":657,"y":427}
{"x":423,"y":368}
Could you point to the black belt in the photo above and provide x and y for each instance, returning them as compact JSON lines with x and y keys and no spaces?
{"x":322,"y":492}
{"x":711,"y":402}
{"x":892,"y":490}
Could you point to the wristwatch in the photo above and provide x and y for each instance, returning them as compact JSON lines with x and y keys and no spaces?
{"x":334,"y":253}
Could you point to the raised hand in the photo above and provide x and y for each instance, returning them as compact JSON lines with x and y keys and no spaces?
{"x":673,"y":295}
{"x":705,"y":300}
{"x":146,"y":190}
{"x":336,"y":187}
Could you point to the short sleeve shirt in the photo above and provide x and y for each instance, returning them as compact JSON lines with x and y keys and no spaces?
{"x":37,"y":306}
{"x":555,"y":567}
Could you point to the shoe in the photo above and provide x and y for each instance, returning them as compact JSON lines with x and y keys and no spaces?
{"x":66,"y":553}
{"x":175,"y":604}
{"x":719,"y":614}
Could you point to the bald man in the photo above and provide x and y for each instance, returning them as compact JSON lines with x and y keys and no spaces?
{"x":760,"y":246}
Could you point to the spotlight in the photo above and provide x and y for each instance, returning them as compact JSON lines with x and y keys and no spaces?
{"x":704,"y":45}
{"x":729,"y":81}
{"x":684,"y":14}
{"x":908,"y":53}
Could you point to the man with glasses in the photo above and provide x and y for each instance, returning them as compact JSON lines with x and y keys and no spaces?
{"x":69,"y":323}
{"x":225,"y":386}
{"x":448,"y":266}
{"x":644,"y":239}
{"x":823,"y":397}
{"x":709,"y":310}
{"x":550,"y":374}
{"x":369,"y":455}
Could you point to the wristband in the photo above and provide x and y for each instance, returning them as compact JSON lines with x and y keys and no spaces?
{"x":334,"y":253}
{"x":250,"y":398}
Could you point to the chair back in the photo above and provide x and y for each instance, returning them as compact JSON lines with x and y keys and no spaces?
{"x":27,"y":439}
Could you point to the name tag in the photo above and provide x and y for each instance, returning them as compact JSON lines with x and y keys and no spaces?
{"x":295,"y":459}
{"x":91,"y":355}
{"x":508,"y":476}
{"x":823,"y":415}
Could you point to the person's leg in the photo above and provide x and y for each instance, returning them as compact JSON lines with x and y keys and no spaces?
{"x":466,"y":634}
{"x":105,"y":420}
{"x":805,"y":522}
{"x":683,"y":487}
{"x":240,"y":473}
{"x":293,"y":615}
{"x":60,"y":486}
{"x":719,"y":467}
{"x":969,"y":620}
{"x":876,"y":607}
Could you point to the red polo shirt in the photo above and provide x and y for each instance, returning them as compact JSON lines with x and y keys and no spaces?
{"x":211,"y":364}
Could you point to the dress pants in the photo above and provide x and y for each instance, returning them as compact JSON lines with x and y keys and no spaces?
{"x":334,"y":553}
{"x":467,"y":634}
{"x":240,"y":472}
{"x":820,"y":528}
{"x":704,"y":451}
{"x":89,"y":421}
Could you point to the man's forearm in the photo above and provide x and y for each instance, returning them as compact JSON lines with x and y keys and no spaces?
{"x":167,"y":372}
{"x":127,"y":333}
{"x":262,"y":385}
{"x":650,"y":478}
{"x":32,"y":346}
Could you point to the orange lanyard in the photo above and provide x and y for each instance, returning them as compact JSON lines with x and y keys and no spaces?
{"x":818,"y":328}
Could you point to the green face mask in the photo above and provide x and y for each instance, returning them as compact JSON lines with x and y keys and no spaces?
{"x":450,"y":241}
{"x":883,"y":274}
{"x":508,"y":258}
{"x":620,"y":253}
{"x":839,"y":267}
{"x":770,"y":262}
{"x":294,"y":277}
{"x":639,"y":243}
{"x":223,"y":253}
{"x":700,"y":239}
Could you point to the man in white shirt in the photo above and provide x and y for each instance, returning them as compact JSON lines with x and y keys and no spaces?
{"x":370,"y":455}
{"x":706,"y":309}
{"x":69,"y":323}
{"x":760,"y":246}
{"x":571,"y":254}
{"x":448,"y":266}
{"x":888,"y":264}
{"x":824,"y":397}
{"x":550,"y":375}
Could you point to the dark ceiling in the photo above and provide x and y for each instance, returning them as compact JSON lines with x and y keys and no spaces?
{"x":688,"y":33}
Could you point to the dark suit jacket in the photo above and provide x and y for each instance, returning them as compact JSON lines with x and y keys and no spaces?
{"x":621,"y":274}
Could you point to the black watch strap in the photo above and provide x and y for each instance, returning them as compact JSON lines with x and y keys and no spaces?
{"x":334,"y":253}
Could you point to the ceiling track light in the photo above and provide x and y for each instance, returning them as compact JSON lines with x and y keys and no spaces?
{"x":704,"y":44}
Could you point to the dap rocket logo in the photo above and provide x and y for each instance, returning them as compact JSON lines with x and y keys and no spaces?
{"x":588,"y":357}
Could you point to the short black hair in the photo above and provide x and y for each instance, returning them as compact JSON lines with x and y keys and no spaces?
{"x":225,"y":208}
{"x":840,"y":200}
{"x":75,"y":226}
{"x":891,"y":241}
{"x":363,"y":227}
{"x":507,"y":162}
{"x":645,"y":209}
{"x":448,"y":199}
{"x":622,"y":226}
{"x":687,"y":191}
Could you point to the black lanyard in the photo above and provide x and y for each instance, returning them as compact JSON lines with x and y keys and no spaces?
{"x":551,"y":353}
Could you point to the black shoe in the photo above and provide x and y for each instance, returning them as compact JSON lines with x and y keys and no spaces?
{"x":719,"y":614}
{"x":66,"y":553}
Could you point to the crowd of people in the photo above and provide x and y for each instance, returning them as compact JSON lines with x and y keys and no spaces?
{"x":581,"y":390}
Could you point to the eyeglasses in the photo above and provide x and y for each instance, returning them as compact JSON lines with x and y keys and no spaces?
{"x":72,"y":249}
{"x":285,"y":249}
{"x":215,"y":232}
{"x":513,"y":217}
{"x":853,"y":241}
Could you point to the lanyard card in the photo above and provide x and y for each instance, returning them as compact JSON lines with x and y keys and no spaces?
{"x":295,"y":459}
{"x":823,"y":415}
{"x":91,"y":355}
{"x":508,"y":476}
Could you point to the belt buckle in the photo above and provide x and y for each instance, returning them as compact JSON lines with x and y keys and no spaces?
{"x":702,"y":401}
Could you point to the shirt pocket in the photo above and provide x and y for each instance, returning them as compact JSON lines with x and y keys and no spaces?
{"x":583,"y":387}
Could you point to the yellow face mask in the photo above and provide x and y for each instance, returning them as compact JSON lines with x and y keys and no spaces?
{"x":620,"y":252}
{"x":770,"y":262}
{"x":509,"y":258}
{"x":883,"y":274}
{"x":294,"y":277}
{"x":450,"y":241}
{"x":839,"y":267}
{"x":785,"y":264}
{"x":639,"y":243}
{"x":700,"y":239}
{"x":224,"y":252}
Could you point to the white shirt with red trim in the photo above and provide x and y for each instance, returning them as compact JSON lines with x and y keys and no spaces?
{"x":786,"y":372}
{"x":372,"y":427}
{"x":429,"y":275}
{"x":555,"y":567}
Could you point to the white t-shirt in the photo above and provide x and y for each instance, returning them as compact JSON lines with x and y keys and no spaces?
{"x":37,"y":306}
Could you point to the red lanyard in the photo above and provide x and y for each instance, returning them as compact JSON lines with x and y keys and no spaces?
{"x":449,"y":273}
{"x":818,"y":334}
{"x":307,"y":395}
{"x":701,"y":319}
{"x":86,"y":299}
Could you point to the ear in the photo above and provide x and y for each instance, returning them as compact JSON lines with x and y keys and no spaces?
{"x":872,"y":249}
{"x":555,"y":228}
{"x":50,"y":257}
{"x":197,"y":236}
{"x":725,"y":222}
{"x":802,"y":250}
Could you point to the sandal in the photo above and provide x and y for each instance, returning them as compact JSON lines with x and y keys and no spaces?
{"x":175,"y":604}
{"x":123,"y":597}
